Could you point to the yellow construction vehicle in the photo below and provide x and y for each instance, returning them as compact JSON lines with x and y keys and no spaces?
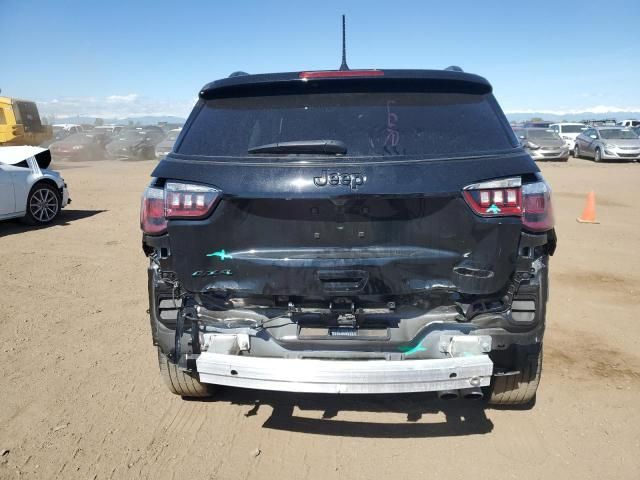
{"x":20,"y":123}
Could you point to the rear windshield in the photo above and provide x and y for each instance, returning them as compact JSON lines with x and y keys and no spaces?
{"x":542,"y":134}
{"x":573,"y":128}
{"x":369,"y":124}
{"x":79,"y":138}
{"x":618,"y":134}
{"x":130,"y":135}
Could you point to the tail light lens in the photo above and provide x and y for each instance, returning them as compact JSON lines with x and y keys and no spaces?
{"x":184,"y":200}
{"x":152,"y":219}
{"x":508,"y":197}
{"x":176,"y":200}
{"x":537,"y":210}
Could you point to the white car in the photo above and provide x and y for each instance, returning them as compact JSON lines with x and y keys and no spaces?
{"x":568,"y":132}
{"x":629,"y":123}
{"x":28,"y":189}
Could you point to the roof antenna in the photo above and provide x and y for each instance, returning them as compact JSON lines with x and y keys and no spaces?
{"x":344,"y":65}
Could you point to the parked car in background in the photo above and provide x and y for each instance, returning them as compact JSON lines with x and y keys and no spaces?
{"x":166,"y":145}
{"x":542,"y":144}
{"x":80,"y":146}
{"x":629,"y":123}
{"x":536,"y":124}
{"x":602,"y":122}
{"x":608,"y":143}
{"x":61,"y":131}
{"x":28,"y":189}
{"x":111,"y":129}
{"x":20,"y":123}
{"x":568,"y":132}
{"x":68,"y":128}
{"x":135,"y":143}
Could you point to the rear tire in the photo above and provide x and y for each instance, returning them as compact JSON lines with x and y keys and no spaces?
{"x":576,"y":151}
{"x":518,"y":389}
{"x":180,"y":382}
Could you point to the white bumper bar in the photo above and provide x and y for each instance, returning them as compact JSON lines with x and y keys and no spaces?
{"x":344,"y":376}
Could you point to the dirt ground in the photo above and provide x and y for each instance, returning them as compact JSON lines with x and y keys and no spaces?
{"x":81,"y":396}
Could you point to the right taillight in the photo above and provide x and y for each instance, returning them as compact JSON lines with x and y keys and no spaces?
{"x":184,"y":200}
{"x":537,"y":211}
{"x":510,"y":198}
{"x":152,"y":219}
{"x":174,"y":201}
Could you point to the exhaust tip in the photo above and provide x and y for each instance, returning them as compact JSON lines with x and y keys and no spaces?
{"x":474,"y":393}
{"x":448,"y":394}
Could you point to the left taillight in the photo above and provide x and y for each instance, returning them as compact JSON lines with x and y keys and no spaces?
{"x":174,"y":201}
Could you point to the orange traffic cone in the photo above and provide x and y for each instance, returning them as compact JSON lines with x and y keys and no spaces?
{"x":589,"y":212}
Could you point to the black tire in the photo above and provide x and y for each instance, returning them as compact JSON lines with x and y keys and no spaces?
{"x":518,"y":389}
{"x":43,"y":204}
{"x":180,"y":382}
{"x":576,"y":151}
{"x":597,"y":156}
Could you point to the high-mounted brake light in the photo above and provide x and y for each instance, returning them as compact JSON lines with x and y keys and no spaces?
{"x":508,"y":197}
{"x":341,"y":74}
{"x":176,"y":200}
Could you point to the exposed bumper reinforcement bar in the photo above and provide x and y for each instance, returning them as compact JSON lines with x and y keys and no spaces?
{"x":348,"y":376}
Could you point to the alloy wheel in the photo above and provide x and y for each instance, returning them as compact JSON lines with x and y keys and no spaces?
{"x":43,"y":205}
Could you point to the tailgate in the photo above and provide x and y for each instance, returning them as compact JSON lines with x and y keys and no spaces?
{"x":322,"y":243}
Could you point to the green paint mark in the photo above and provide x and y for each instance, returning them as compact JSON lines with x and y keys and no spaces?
{"x":493,"y":209}
{"x":407,"y":350}
{"x":220,"y":253}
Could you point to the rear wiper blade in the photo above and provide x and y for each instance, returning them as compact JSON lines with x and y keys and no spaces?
{"x":323,"y":147}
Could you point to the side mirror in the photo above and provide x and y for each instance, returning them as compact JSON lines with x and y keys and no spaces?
{"x":521,"y":137}
{"x":595,"y":137}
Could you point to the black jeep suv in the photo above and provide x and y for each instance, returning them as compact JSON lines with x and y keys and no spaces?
{"x":352,"y":231}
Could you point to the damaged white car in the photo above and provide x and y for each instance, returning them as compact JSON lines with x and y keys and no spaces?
{"x":28,"y":190}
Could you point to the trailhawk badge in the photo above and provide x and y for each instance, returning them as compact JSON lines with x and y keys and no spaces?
{"x":351,"y":180}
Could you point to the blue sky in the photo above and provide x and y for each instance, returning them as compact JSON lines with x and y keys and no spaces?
{"x":151,"y":57}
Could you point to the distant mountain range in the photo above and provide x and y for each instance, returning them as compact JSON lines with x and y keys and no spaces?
{"x":572,"y":116}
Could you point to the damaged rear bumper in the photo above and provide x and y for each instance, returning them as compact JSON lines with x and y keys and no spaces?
{"x":345,"y":376}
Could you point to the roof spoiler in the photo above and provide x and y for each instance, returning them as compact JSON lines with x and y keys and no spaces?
{"x":448,"y":80}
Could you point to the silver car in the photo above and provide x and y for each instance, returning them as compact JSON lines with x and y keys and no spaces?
{"x":164,"y":147}
{"x":28,"y":189}
{"x":568,"y":132}
{"x":542,"y":144}
{"x":608,"y":143}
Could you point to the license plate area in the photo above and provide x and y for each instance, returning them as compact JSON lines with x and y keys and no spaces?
{"x":342,"y":333}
